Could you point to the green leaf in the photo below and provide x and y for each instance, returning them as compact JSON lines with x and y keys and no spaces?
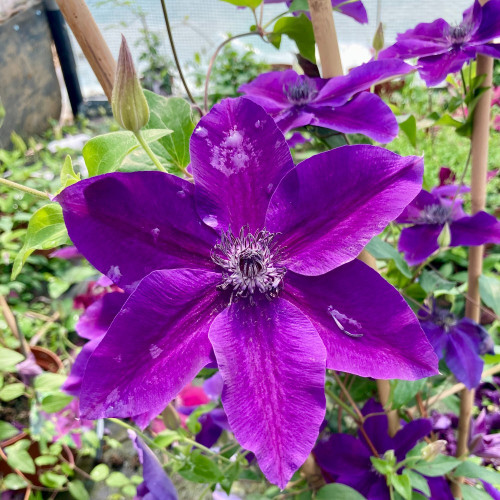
{"x":300,"y":30}
{"x":68,"y":175}
{"x":14,"y":482}
{"x":383,"y":466}
{"x":167,"y":437}
{"x":53,"y":480}
{"x":448,"y":121}
{"x":192,"y":421}
{"x":472,"y":493}
{"x":99,"y":472}
{"x":409,"y":127}
{"x":418,"y":482}
{"x":431,"y":282}
{"x":384,"y":251}
{"x":342,"y":491}
{"x":201,"y":470}
{"x":77,"y":490}
{"x":55,"y":402}
{"x":403,"y":391}
{"x":253,"y":4}
{"x":19,"y":458}
{"x":12,"y":391}
{"x":105,"y":153}
{"x":441,"y":465}
{"x":7,"y":430}
{"x":9,"y":359}
{"x":489,"y":289}
{"x":175,"y":114}
{"x":46,"y":460}
{"x":129,"y":490}
{"x":299,"y":5}
{"x":49,"y":382}
{"x":402,"y":485}
{"x":117,"y":480}
{"x":46,"y":229}
{"x":473,"y":470}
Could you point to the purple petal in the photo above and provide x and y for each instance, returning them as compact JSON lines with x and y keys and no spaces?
{"x":407,"y":437}
{"x":277,"y":416}
{"x":355,"y":300}
{"x":66,"y":253}
{"x":268,"y":90}
{"x":489,"y":27}
{"x":413,"y":211}
{"x":156,"y":481}
{"x":343,"y":454}
{"x":238,"y":157}
{"x":356,"y":10}
{"x":463,"y":359}
{"x":331,"y":205}
{"x":436,"y":336}
{"x":376,"y":427}
{"x":213,"y":386}
{"x":491,"y":490}
{"x":129,"y":224}
{"x":98,"y":316}
{"x":298,"y":116}
{"x":154,"y":347}
{"x":434,"y":69}
{"x":341,"y":88}
{"x":419,"y":242}
{"x":365,"y":114}
{"x":489,"y":49}
{"x":474,"y":230}
{"x":440,"y":489}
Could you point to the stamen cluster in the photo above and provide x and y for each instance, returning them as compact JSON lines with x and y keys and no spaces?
{"x":435,"y":214}
{"x":301,"y":91}
{"x":248,"y":261}
{"x":459,"y":34}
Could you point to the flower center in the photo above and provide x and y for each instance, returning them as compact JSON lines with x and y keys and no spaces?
{"x":301,"y":91}
{"x":459,"y":34}
{"x":435,"y":214}
{"x":249,"y":263}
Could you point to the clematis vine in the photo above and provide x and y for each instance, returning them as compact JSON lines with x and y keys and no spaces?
{"x":338,"y":103}
{"x":438,"y":212}
{"x":442,"y":48}
{"x":354,"y":9}
{"x":254,"y":266}
{"x":460,"y":342}
{"x":345,"y":459}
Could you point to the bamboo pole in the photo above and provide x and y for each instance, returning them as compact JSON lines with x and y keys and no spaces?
{"x":480,"y":137}
{"x":331,"y":65}
{"x":91,"y":41}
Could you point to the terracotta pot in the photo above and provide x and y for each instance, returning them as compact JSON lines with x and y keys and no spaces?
{"x":46,"y":359}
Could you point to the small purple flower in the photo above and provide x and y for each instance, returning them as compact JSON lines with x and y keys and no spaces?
{"x":345,"y":459}
{"x":481,"y":443}
{"x":255,"y":266}
{"x":28,"y":369}
{"x":354,"y":9}
{"x":337,"y":103}
{"x":430,"y":212}
{"x":442,"y":48}
{"x":156,"y":484}
{"x":460,"y":342}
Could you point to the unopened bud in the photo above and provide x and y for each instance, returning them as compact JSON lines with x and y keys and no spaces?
{"x":444,"y":238}
{"x":432,"y":450}
{"x":378,"y":39}
{"x":128,"y":102}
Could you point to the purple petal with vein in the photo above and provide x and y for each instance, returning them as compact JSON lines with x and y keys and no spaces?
{"x":267,"y":414}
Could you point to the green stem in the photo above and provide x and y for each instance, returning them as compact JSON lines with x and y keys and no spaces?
{"x":149,"y":151}
{"x":341,"y":403}
{"x":204,"y":448}
{"x":26,"y":189}
{"x":143,"y":436}
{"x":275,"y":19}
{"x":204,"y":492}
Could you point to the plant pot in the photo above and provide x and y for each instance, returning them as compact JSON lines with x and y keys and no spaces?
{"x":46,"y":359}
{"x":29,"y":89}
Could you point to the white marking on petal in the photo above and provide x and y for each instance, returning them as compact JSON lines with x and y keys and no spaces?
{"x":155,"y":351}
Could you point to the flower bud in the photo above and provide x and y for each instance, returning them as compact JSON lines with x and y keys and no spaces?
{"x":128,"y":102}
{"x":378,"y":39}
{"x":432,"y":450}
{"x":444,"y":238}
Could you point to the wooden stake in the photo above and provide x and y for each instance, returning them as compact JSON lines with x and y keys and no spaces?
{"x":331,"y":65}
{"x":91,"y":41}
{"x":480,"y":137}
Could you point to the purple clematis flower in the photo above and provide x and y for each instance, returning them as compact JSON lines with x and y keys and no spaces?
{"x":354,"y":9}
{"x":442,"y":48}
{"x":345,"y":459}
{"x":337,"y":103}
{"x":460,"y":342}
{"x":254,"y":264}
{"x":430,"y":212}
{"x":156,"y":484}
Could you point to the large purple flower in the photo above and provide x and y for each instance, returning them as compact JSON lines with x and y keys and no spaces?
{"x":254,"y":264}
{"x":460,"y":342}
{"x":354,"y":9}
{"x":442,"y":48}
{"x":337,"y":103}
{"x":346,"y":459}
{"x":430,"y":212}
